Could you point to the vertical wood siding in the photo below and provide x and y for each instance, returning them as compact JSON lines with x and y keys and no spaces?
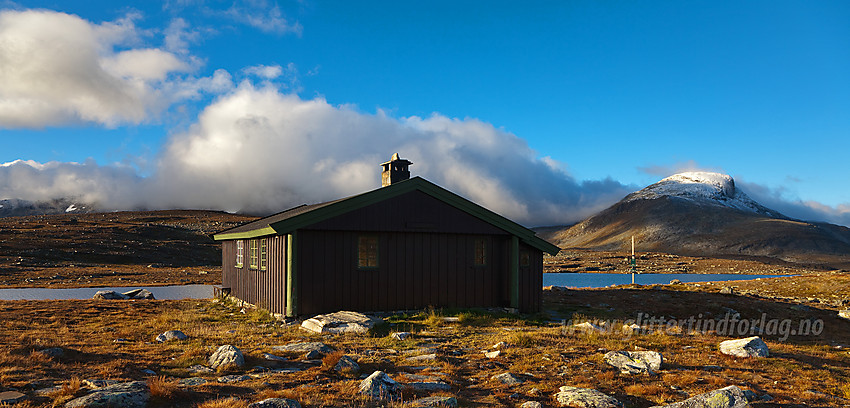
{"x":265,"y":289}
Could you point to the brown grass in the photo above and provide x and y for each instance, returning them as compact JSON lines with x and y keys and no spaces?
{"x":162,"y":388}
{"x":223,"y":403}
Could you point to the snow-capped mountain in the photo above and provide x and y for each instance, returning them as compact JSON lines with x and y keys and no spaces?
{"x":703,"y":188}
{"x":704,"y":214}
{"x":14,"y":207}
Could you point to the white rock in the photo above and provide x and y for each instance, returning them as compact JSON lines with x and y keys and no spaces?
{"x":226,"y":355}
{"x":492,"y":354}
{"x":341,"y":322}
{"x":748,"y":347}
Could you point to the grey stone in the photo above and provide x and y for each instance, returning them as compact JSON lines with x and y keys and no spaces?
{"x":200,"y":369}
{"x":587,"y":327}
{"x":379,"y":386}
{"x":492,"y":354}
{"x":313,"y":355}
{"x":108,"y":295}
{"x":500,"y":345}
{"x":507,"y":378}
{"x":347,"y":364}
{"x":401,"y":335}
{"x":675,"y":282}
{"x":191,"y":382}
{"x":227,"y":355}
{"x":635,"y":362}
{"x":729,"y":397}
{"x":727,"y":290}
{"x":585,"y":398}
{"x":53,"y":352}
{"x":126,"y":395}
{"x":341,"y":322}
{"x":43,"y":392}
{"x":305,"y":347}
{"x":171,"y":335}
{"x":272,"y":357}
{"x":139,"y":294}
{"x":289,"y":370}
{"x":426,"y":383}
{"x":148,"y":371}
{"x":229,"y":379}
{"x":424,"y":357}
{"x":531,"y":404}
{"x":94,"y":383}
{"x":276,"y":403}
{"x":11,"y":397}
{"x":747,"y":347}
{"x":436,"y":401}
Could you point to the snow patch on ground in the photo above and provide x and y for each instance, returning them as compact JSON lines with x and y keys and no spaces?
{"x":71,"y":208}
{"x":703,"y":187}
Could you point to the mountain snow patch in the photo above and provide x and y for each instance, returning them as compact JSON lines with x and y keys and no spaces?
{"x":705,"y":188}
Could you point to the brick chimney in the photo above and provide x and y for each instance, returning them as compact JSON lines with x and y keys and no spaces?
{"x":395,"y":170}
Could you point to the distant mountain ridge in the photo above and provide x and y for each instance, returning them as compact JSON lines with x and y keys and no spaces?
{"x":704,"y":214}
{"x":14,"y":207}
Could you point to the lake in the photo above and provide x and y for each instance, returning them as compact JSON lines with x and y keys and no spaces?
{"x":160,"y":292}
{"x":601,"y":280}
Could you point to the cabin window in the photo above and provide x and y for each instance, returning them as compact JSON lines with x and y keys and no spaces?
{"x":480,"y":252}
{"x":253,"y":254}
{"x":264,"y":255}
{"x":240,"y":246}
{"x":524,"y":258}
{"x":367,"y":251}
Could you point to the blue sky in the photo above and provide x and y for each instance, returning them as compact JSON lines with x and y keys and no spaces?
{"x":553,"y":110}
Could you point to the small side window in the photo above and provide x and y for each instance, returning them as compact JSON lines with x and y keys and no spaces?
{"x":253,"y":254}
{"x":480,"y":252}
{"x":524,"y":258}
{"x":367,"y":251}
{"x":240,"y":257}
{"x":264,"y":255}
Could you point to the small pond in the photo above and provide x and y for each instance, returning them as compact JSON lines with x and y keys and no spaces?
{"x":160,"y":292}
{"x":601,"y":280}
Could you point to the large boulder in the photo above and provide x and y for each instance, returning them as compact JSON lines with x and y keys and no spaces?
{"x":125,"y":395}
{"x":11,"y":397}
{"x":227,"y":355}
{"x":585,"y":398}
{"x":379,"y":386}
{"x":275,"y":403}
{"x":347,"y":364}
{"x":507,"y":378}
{"x":108,"y":295}
{"x":729,"y":397}
{"x":341,"y":322}
{"x":139,"y":294}
{"x":748,"y":347}
{"x":635,"y":362}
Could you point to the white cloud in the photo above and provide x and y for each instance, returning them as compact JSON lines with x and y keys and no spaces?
{"x":263,"y":15}
{"x":58,"y":69}
{"x":264,"y":71}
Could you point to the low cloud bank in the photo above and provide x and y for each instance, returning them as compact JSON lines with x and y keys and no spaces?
{"x":259,"y":150}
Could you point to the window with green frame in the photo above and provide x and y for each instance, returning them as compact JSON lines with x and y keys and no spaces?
{"x":240,"y":247}
{"x":264,"y":255}
{"x":480,"y":252}
{"x":253,"y":254}
{"x":367,"y":251}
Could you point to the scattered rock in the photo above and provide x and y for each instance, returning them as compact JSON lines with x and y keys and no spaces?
{"x":53,"y":352}
{"x":148,"y":371}
{"x":108,"y":295}
{"x":436,"y":401}
{"x":121,"y":340}
{"x":507,"y":378}
{"x":94,"y":384}
{"x":631,"y":328}
{"x":401,"y":335}
{"x":341,"y":322}
{"x":531,"y":404}
{"x":272,"y":357}
{"x":347,"y":364}
{"x":500,"y":345}
{"x":844,"y":314}
{"x":44,"y":392}
{"x":426,"y":383}
{"x":305,"y":348}
{"x":424,"y":357}
{"x":675,"y":282}
{"x":130,"y":395}
{"x":11,"y":397}
{"x":200,"y":369}
{"x":729,"y":397}
{"x":230,"y":379}
{"x":492,"y":354}
{"x":748,"y":347}
{"x":191,"y":382}
{"x":585,"y":398}
{"x":171,"y":335}
{"x":276,"y":403}
{"x":727,"y":290}
{"x":588,"y":327}
{"x":227,"y":355}
{"x":635,"y":362}
{"x":139,"y":294}
{"x":380,"y":386}
{"x":313,"y":355}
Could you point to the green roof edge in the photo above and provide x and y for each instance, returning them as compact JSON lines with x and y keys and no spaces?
{"x":416,"y":183}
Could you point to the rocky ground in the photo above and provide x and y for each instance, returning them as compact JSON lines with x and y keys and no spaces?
{"x":56,"y":352}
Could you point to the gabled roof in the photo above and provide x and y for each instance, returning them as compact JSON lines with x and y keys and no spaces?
{"x":306,"y":215}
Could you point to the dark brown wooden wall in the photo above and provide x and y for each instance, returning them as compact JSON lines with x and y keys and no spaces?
{"x":266,"y":289}
{"x":416,"y":270}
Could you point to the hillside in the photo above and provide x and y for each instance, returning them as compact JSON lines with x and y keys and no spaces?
{"x":704,"y":214}
{"x":152,"y":247}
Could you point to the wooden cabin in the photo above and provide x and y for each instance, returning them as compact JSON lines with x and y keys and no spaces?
{"x":407,"y":245}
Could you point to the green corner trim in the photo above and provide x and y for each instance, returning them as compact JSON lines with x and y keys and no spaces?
{"x":292,"y":274}
{"x":514,"y":285}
